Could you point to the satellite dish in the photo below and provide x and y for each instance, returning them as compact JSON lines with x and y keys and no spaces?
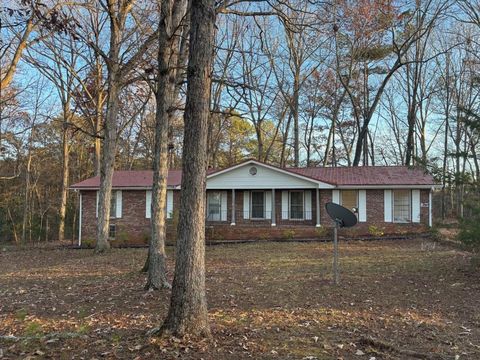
{"x":341,"y":215}
{"x":343,"y":218}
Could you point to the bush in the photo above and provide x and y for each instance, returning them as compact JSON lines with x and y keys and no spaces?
{"x":321,"y":231}
{"x":89,"y":243}
{"x":469,"y":233}
{"x":375,"y":231}
{"x":288,"y":234}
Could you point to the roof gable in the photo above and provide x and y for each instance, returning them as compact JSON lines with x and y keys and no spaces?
{"x":253,"y":174}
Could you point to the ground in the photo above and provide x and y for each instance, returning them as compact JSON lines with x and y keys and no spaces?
{"x":396,"y":300}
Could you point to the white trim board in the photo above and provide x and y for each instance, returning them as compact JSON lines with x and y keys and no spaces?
{"x":384,"y":187}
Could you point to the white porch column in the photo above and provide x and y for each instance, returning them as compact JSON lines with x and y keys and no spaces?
{"x":233,"y":208}
{"x":80,"y":211}
{"x":317,"y":191}
{"x":274,"y":219}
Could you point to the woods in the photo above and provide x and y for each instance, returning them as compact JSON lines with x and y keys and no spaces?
{"x":332,"y":84}
{"x":97,"y":86}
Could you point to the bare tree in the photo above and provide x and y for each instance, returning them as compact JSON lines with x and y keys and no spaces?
{"x":169,"y":41}
{"x":188,"y":306}
{"x":119,"y":68}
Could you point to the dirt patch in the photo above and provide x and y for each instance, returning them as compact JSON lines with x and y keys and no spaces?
{"x":397,"y":299}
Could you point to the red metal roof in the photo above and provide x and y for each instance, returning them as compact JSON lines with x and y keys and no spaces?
{"x":341,"y":176}
{"x":367,"y":175}
{"x":130,"y":179}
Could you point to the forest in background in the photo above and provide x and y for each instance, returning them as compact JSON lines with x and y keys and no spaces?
{"x":294,"y":83}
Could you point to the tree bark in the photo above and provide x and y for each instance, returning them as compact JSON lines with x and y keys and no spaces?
{"x":188,"y":306}
{"x":168,"y":43}
{"x":108,"y":162}
{"x":65,"y":173}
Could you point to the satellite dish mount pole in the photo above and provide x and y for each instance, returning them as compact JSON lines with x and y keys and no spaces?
{"x":342,"y":217}
{"x":336,"y":274}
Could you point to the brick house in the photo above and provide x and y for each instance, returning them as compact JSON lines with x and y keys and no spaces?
{"x":254,"y":200}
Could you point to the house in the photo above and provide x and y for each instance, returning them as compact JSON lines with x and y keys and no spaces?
{"x":254,"y":200}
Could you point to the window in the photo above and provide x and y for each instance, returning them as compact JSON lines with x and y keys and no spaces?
{"x":350,"y":199}
{"x":258,"y":205}
{"x":113,"y":205}
{"x":401,"y":205}
{"x":296,"y":205}
{"x":214,"y":206}
{"x":112,"y":231}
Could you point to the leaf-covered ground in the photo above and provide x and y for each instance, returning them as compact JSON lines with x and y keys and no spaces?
{"x":397,"y":300}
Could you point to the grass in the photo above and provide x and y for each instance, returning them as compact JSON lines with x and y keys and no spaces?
{"x":266,"y":300}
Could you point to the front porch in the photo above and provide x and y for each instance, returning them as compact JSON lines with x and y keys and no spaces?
{"x":262,"y":207}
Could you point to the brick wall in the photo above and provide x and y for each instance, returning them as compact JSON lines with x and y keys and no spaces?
{"x":134,"y":228}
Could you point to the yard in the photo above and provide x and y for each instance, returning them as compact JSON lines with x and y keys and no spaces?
{"x":397,"y":300}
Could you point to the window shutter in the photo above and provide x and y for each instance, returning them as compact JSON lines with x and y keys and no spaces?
{"x":246,"y":204}
{"x":336,"y":196}
{"x":223,"y":207}
{"x":119,"y":204}
{"x":362,"y":205}
{"x":268,"y":204}
{"x":387,"y":205}
{"x":96,"y":205}
{"x":285,"y":205}
{"x":416,"y":206}
{"x":307,"y":198}
{"x":169,"y":204}
{"x":148,"y":204}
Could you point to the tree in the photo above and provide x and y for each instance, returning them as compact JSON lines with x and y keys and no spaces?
{"x":169,"y":40}
{"x":119,"y":69}
{"x":27,"y":16}
{"x":188,"y":305}
{"x":372,"y":40}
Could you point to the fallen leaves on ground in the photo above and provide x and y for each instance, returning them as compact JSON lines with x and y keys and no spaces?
{"x":266,"y":300}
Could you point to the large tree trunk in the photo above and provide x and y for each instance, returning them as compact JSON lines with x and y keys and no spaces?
{"x":108,"y":161}
{"x":188,"y":306}
{"x":172,"y":14}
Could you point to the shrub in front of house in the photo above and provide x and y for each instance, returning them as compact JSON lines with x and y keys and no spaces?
{"x":469,"y":233}
{"x":289,"y":234}
{"x":375,"y":231}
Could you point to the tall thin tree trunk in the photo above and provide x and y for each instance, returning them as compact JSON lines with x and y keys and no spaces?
{"x":27,"y":198}
{"x":98,"y":117}
{"x":295,"y":115}
{"x":172,"y":14}
{"x":188,"y":306}
{"x":65,"y":173}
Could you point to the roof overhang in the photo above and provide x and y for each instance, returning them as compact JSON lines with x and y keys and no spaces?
{"x":382,"y":187}
{"x":94,"y":188}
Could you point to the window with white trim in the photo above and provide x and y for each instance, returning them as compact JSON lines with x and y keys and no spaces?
{"x":296,"y":205}
{"x":112,"y":231}
{"x":258,"y":204}
{"x":349,"y":199}
{"x":113,"y":205}
{"x":214,"y":205}
{"x":401,"y":206}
